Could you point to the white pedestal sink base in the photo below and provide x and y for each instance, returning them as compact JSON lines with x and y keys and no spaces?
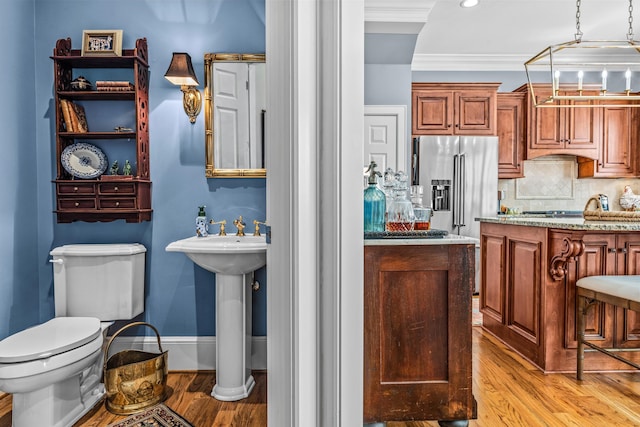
{"x":232,"y":258}
{"x":233,"y":394}
{"x":233,"y":337}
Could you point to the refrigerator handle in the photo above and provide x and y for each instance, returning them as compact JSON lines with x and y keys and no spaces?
{"x":414,"y":161}
{"x":456,"y":183}
{"x":463,"y":189}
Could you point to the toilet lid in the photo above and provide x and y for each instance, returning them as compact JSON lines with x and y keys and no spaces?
{"x":58,"y":335}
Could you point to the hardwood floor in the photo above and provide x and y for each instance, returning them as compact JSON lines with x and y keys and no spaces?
{"x":510,"y":392}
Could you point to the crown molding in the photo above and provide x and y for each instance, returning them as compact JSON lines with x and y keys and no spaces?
{"x":468,"y":62}
{"x":396,"y":17}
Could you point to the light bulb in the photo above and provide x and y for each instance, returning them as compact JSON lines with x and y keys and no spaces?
{"x":580,"y":76}
{"x":469,"y":3}
{"x":627,"y":75}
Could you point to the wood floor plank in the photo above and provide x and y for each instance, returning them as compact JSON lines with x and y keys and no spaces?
{"x":510,"y":392}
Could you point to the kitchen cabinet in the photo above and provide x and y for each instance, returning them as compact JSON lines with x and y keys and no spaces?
{"x":528,"y":297}
{"x":417,"y":332}
{"x":511,"y":134}
{"x":104,"y":198}
{"x":454,"y":108}
{"x":551,"y":130}
{"x":618,"y":154}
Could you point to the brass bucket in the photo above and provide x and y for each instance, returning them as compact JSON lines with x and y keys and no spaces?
{"x":134,"y":379}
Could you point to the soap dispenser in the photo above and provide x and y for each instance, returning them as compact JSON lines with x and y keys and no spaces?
{"x":202,"y":228}
{"x":374,"y":202}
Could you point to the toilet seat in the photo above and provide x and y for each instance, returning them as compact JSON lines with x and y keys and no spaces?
{"x":48,"y":339}
{"x":11,"y":371}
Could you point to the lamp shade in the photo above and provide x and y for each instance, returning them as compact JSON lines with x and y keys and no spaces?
{"x":180,"y":70}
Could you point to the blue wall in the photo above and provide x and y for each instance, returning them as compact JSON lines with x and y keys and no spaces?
{"x":180,"y":297}
{"x":18,"y":210}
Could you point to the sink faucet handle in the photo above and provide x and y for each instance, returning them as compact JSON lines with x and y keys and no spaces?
{"x":239,"y":223}
{"x":222,"y":223}
{"x":257,"y":224}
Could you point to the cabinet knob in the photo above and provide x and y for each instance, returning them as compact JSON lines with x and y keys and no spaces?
{"x":77,"y":204}
{"x":612,"y":250}
{"x":623,"y":250}
{"x":449,"y":126}
{"x":115,"y":188}
{"x":75,"y":188}
{"x":117,"y":203}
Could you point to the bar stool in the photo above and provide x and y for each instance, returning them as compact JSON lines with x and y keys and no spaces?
{"x":621,"y":291}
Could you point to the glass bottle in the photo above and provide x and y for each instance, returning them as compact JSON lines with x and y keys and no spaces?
{"x":374,"y":202}
{"x":421,"y":213}
{"x":400,"y":215}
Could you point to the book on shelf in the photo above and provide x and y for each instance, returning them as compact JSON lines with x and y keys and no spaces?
{"x":75,"y":119}
{"x":103,"y":85}
{"x":80,"y":118}
{"x":66,"y":115}
{"x":114,"y":89}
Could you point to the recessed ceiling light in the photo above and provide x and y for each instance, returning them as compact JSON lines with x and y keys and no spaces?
{"x":468,"y":3}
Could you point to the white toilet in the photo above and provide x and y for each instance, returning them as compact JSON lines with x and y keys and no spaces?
{"x":54,"y":369}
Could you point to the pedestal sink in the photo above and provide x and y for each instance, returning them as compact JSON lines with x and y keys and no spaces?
{"x":232,"y":258}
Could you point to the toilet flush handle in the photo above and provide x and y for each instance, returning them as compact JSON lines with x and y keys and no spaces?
{"x":56,"y":261}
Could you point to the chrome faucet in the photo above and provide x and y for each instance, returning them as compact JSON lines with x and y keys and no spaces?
{"x":239,"y":223}
{"x":222,"y":223}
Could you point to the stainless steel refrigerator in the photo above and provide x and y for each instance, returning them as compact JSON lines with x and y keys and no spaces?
{"x":459,"y":175}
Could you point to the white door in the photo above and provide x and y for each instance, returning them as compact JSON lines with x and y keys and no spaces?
{"x":385,"y":137}
{"x":231,"y":117}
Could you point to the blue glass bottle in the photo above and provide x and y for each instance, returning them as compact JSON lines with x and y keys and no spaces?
{"x":374,"y":202}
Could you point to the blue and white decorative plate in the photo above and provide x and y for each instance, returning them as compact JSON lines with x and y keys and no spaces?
{"x":84,"y":160}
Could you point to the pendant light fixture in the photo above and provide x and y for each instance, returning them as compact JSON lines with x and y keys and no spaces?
{"x":604,"y":71}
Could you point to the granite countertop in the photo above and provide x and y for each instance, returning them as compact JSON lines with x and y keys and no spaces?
{"x":562,"y":223}
{"x":450,"y":239}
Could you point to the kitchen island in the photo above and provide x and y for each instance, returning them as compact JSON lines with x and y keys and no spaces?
{"x":527,"y":293}
{"x":417,"y":329}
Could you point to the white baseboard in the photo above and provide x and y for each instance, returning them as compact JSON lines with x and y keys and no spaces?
{"x":190,"y":353}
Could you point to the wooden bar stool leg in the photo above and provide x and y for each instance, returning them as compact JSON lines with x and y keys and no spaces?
{"x":582,"y":314}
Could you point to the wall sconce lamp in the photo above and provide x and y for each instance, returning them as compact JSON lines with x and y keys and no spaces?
{"x":181,"y":73}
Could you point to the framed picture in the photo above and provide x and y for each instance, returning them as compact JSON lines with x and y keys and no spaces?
{"x":102,"y":42}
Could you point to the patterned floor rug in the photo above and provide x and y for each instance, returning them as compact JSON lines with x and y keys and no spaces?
{"x":156,"y":416}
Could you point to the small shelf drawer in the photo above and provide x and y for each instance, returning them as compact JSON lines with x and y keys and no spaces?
{"x":117,"y":188}
{"x":73,"y":188}
{"x":76,"y":204}
{"x":119,"y":203}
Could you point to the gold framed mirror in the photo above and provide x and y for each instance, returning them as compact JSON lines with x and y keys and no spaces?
{"x":234,"y":115}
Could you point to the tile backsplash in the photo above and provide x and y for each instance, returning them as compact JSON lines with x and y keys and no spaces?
{"x":551,"y":183}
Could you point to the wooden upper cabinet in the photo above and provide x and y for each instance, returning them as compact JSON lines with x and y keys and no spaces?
{"x":560,"y":130}
{"x":618,"y":148}
{"x":511,"y":134}
{"x":454,"y":108}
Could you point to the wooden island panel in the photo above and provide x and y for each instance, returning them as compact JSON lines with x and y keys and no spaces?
{"x":528,"y":294}
{"x":417,"y":333}
{"x":511,"y":285}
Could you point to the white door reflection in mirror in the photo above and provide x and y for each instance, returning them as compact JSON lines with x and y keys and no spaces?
{"x":239,"y":106}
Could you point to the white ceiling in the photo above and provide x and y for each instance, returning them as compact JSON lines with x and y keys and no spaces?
{"x":500,"y":34}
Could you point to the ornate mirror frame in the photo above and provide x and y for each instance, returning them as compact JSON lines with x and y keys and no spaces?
{"x":210,"y":59}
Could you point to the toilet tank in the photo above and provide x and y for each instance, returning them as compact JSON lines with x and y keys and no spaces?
{"x":99,"y":280}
